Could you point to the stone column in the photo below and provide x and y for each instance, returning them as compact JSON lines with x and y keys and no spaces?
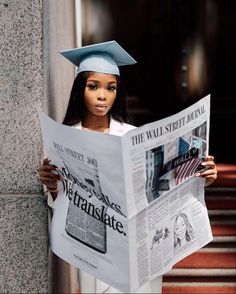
{"x":33,"y":77}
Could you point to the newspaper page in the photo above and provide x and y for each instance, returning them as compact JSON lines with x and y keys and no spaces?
{"x":169,"y":215}
{"x":130,"y":207}
{"x":89,"y":228}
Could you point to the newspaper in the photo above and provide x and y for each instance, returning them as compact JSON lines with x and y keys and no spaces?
{"x":130,"y":207}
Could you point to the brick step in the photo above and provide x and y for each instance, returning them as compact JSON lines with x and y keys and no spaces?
{"x":222,"y":216}
{"x":218,"y":203}
{"x":223,"y":229}
{"x":226,"y":175}
{"x":220,"y":192}
{"x":199,"y":288}
{"x":200,"y":275}
{"x":222,"y":242}
{"x":231,"y":212}
{"x":224,"y":235}
{"x":210,"y":258}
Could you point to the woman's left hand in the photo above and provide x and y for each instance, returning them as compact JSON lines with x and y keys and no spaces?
{"x":210,"y":174}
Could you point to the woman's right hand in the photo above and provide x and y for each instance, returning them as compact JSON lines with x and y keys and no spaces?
{"x":48,"y":177}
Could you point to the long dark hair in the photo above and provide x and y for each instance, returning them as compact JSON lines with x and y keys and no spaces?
{"x":76,"y":107}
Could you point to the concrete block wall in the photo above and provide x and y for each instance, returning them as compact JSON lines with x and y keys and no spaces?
{"x":27,"y":85}
{"x":23,"y":213}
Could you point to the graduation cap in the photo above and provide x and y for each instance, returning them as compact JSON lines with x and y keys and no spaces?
{"x":103,"y":57}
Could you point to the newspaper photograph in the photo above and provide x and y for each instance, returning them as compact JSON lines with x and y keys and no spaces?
{"x":130,"y":207}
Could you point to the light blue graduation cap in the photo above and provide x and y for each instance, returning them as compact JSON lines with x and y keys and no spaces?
{"x":103,"y":57}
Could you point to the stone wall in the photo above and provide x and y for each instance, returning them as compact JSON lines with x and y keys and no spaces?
{"x":30,"y":81}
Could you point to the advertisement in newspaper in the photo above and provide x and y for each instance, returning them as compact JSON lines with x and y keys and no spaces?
{"x":130,"y":207}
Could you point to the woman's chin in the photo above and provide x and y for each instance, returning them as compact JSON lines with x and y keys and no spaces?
{"x":100,"y":112}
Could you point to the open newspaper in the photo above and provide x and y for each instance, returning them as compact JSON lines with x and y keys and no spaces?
{"x":130,"y":207}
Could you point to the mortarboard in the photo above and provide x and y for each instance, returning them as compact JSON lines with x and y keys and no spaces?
{"x":103,"y":57}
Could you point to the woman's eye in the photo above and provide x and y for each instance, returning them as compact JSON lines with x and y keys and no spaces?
{"x":112,"y":88}
{"x":92,"y":87}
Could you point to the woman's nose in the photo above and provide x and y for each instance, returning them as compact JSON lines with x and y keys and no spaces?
{"x":101,"y":95}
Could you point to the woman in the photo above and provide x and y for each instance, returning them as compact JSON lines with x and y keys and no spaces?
{"x":183,"y":230}
{"x":97,"y":104}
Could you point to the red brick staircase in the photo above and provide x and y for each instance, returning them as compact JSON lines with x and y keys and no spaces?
{"x":212,"y":269}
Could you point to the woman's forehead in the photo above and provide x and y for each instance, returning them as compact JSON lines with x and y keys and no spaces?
{"x":102,"y":77}
{"x":179,"y":219}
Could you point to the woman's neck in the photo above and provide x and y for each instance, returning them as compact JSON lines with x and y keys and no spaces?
{"x":96,"y":123}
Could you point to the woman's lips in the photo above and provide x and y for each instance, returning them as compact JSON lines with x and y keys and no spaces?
{"x":101,"y":106}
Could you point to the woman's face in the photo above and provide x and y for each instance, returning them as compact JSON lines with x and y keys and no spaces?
{"x":100,"y":93}
{"x":180,"y":228}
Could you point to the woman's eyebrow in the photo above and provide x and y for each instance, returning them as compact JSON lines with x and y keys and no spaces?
{"x":98,"y":81}
{"x":95,"y":81}
{"x":112,"y":82}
